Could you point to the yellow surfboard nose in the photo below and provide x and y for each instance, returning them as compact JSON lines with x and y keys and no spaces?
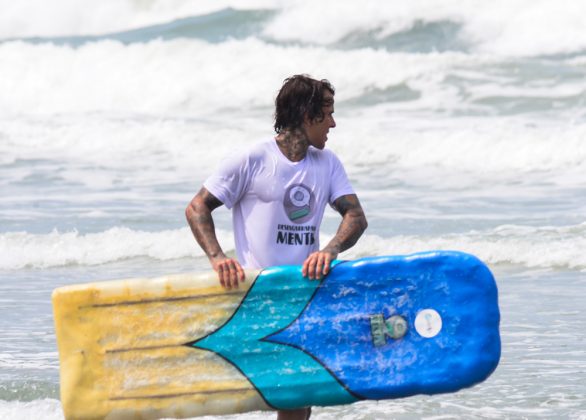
{"x":122,"y":352}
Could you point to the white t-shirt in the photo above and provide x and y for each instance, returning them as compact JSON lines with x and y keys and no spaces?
{"x":277,"y":205}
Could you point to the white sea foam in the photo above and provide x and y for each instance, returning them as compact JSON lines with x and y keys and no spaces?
{"x":193,"y":77}
{"x":20,"y":249}
{"x":138,"y":154}
{"x":534,"y":247}
{"x":510,"y":27}
{"x":505,"y":27}
{"x":100,"y":151}
{"x":46,"y":409}
{"x":42,"y":361}
{"x":156,"y":77}
{"x":113,"y":86}
{"x":28,"y":18}
{"x":51,"y":409}
{"x":481,"y":146}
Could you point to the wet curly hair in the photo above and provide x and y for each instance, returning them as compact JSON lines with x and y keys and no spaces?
{"x":300,"y":95}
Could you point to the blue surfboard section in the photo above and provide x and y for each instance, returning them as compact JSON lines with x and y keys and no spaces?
{"x":285,"y":376}
{"x":303,"y":342}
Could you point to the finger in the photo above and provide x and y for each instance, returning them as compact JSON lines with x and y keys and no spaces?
{"x":227,"y":275}
{"x":240,"y":272}
{"x":327,"y":262}
{"x":311,"y":266}
{"x":319,"y":266}
{"x":233,"y":274}
{"x":220,"y":271}
{"x":305,"y":268}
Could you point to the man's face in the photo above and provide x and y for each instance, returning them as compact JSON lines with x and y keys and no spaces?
{"x":317,"y":130}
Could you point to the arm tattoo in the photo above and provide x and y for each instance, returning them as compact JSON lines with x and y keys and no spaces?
{"x":199,"y":217}
{"x":345,"y":203}
{"x":353,"y":223}
{"x":209,"y":199}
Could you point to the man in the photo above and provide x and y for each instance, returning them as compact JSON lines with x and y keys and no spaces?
{"x":278,"y":191}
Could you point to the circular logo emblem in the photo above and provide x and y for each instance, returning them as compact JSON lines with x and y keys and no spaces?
{"x":428,"y":323}
{"x":397,"y":326}
{"x":298,"y":202}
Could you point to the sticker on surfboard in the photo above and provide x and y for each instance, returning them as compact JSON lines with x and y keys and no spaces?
{"x":428,"y":323}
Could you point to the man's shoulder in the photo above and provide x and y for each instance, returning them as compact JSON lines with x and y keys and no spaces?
{"x":258,"y":151}
{"x":323,"y":155}
{"x":253,"y":151}
{"x":263,"y":146}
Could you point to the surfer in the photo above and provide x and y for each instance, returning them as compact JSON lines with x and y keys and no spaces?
{"x":278,"y":191}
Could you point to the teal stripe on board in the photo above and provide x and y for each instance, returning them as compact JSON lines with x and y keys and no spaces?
{"x":285,"y":376}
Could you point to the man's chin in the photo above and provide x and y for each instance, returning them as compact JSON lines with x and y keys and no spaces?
{"x":319,"y":144}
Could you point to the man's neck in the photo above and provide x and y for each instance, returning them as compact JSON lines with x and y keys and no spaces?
{"x":293,"y":144}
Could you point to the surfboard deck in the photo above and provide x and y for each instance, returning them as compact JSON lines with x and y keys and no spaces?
{"x":182,"y":346}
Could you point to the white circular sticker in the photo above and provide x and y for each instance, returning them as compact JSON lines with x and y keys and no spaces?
{"x":428,"y":323}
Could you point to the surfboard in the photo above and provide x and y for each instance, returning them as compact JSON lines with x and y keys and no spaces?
{"x":182,"y":346}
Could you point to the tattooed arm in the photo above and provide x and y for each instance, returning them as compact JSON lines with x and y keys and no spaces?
{"x":351,"y":228}
{"x":199,"y":217}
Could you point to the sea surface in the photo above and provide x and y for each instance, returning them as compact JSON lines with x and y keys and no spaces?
{"x":461,"y":124}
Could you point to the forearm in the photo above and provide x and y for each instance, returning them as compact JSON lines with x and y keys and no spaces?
{"x":199,"y":217}
{"x":350,"y":230}
{"x":203,"y":229}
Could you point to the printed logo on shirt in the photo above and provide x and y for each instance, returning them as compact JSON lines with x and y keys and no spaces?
{"x":298,"y":203}
{"x":296,"y":235}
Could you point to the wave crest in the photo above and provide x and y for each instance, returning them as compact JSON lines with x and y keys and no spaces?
{"x":20,"y":249}
{"x":548,"y":247}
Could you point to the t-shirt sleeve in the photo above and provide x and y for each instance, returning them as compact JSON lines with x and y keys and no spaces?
{"x":340,"y":185}
{"x":230,"y":181}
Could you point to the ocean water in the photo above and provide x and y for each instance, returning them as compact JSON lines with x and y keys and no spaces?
{"x":461,"y":126}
